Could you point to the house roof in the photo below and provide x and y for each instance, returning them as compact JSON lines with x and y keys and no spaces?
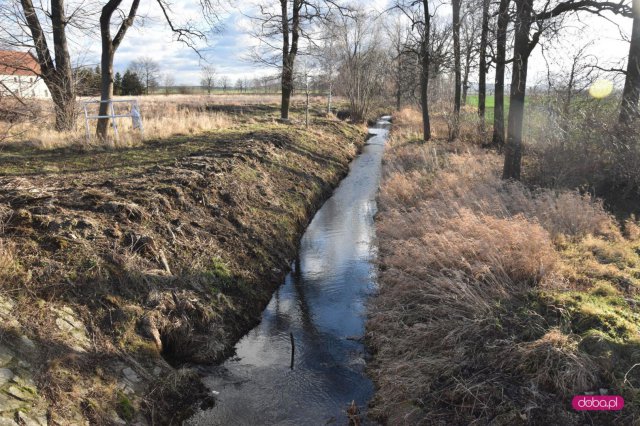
{"x":18,"y":63}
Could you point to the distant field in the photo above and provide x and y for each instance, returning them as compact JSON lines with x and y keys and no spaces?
{"x":198,"y":90}
{"x":472,"y":100}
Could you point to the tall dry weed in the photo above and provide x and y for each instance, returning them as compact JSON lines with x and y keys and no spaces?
{"x":555,"y":363}
{"x":163,"y":116}
{"x":472,"y":180}
{"x":460,"y":251}
{"x":9,"y":266}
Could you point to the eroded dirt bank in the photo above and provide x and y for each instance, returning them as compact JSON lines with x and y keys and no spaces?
{"x":118,"y":267}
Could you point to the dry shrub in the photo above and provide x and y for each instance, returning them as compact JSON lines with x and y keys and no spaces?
{"x":441,"y":280}
{"x":586,"y":149}
{"x":473,"y":180}
{"x":632,"y":229}
{"x":555,"y":363}
{"x":501,"y":252}
{"x":407,"y":125}
{"x":471,"y":127}
{"x":408,"y":117}
{"x":460,"y":252}
{"x":9,"y":266}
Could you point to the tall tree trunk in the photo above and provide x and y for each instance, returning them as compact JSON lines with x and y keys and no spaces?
{"x":399,"y":76}
{"x":66,"y":114}
{"x":458,"y":72}
{"x":106,"y":85}
{"x":109,"y":48}
{"x":521,"y":51}
{"x":501,"y":48}
{"x":424,"y":72}
{"x":465,"y":79}
{"x":64,"y":100}
{"x":287,"y":87}
{"x":57,"y":75}
{"x":565,"y":119}
{"x":289,"y":52}
{"x":482,"y":76}
{"x":629,"y":108}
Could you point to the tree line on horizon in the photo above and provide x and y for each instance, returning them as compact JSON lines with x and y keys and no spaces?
{"x":349,"y":45}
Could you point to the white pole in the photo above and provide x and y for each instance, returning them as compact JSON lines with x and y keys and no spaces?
{"x":86,"y":122}
{"x":306,"y":81}
{"x":113,"y":122}
{"x":140,"y":112}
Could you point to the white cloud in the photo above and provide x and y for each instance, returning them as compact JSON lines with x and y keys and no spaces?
{"x":229,"y":51}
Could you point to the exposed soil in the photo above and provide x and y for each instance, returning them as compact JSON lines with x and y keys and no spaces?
{"x":123,"y":266}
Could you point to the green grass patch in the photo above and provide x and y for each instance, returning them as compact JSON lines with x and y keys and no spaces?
{"x":219,"y":272}
{"x":600,"y":310}
{"x":124,"y":407}
{"x":490,"y":104}
{"x":490,"y":101}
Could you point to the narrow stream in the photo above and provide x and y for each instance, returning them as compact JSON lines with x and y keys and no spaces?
{"x":322,"y":304}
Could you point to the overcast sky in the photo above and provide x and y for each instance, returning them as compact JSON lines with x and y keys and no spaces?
{"x":228,"y":50}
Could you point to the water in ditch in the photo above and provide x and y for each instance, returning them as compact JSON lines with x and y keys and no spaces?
{"x":322,"y":305}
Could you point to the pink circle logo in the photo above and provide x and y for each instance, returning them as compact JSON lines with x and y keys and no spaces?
{"x":597,"y":402}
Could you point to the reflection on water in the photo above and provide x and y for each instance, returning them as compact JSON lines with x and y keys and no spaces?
{"x":322,"y":304}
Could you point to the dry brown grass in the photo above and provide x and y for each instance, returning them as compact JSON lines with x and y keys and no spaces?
{"x":9,"y":267}
{"x":163,"y":116}
{"x":463,"y":255}
{"x":555,"y":362}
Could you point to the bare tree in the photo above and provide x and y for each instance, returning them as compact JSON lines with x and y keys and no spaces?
{"x":362,"y":62}
{"x":469,"y":43}
{"x":14,"y":110}
{"x":500,"y":61}
{"x":577,"y":72}
{"x":208,"y":77}
{"x":285,"y":32}
{"x":109,"y":47}
{"x":418,"y":13}
{"x":629,"y":108}
{"x":285,"y":24}
{"x":148,"y":71}
{"x":224,"y":82}
{"x":328,"y":58}
{"x":399,"y":51}
{"x":188,"y":34}
{"x":39,"y":26}
{"x":305,"y":76}
{"x":483,"y":67}
{"x":168,"y":81}
{"x":524,"y":44}
{"x":264,"y":83}
{"x":457,"y":67}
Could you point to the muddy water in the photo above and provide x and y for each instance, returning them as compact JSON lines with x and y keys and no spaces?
{"x":322,"y":305}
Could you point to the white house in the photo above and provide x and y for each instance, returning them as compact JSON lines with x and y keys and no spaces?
{"x":20,"y":76}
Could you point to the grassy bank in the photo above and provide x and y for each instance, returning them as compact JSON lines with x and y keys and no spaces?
{"x":118,"y":266}
{"x":497,"y":303}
